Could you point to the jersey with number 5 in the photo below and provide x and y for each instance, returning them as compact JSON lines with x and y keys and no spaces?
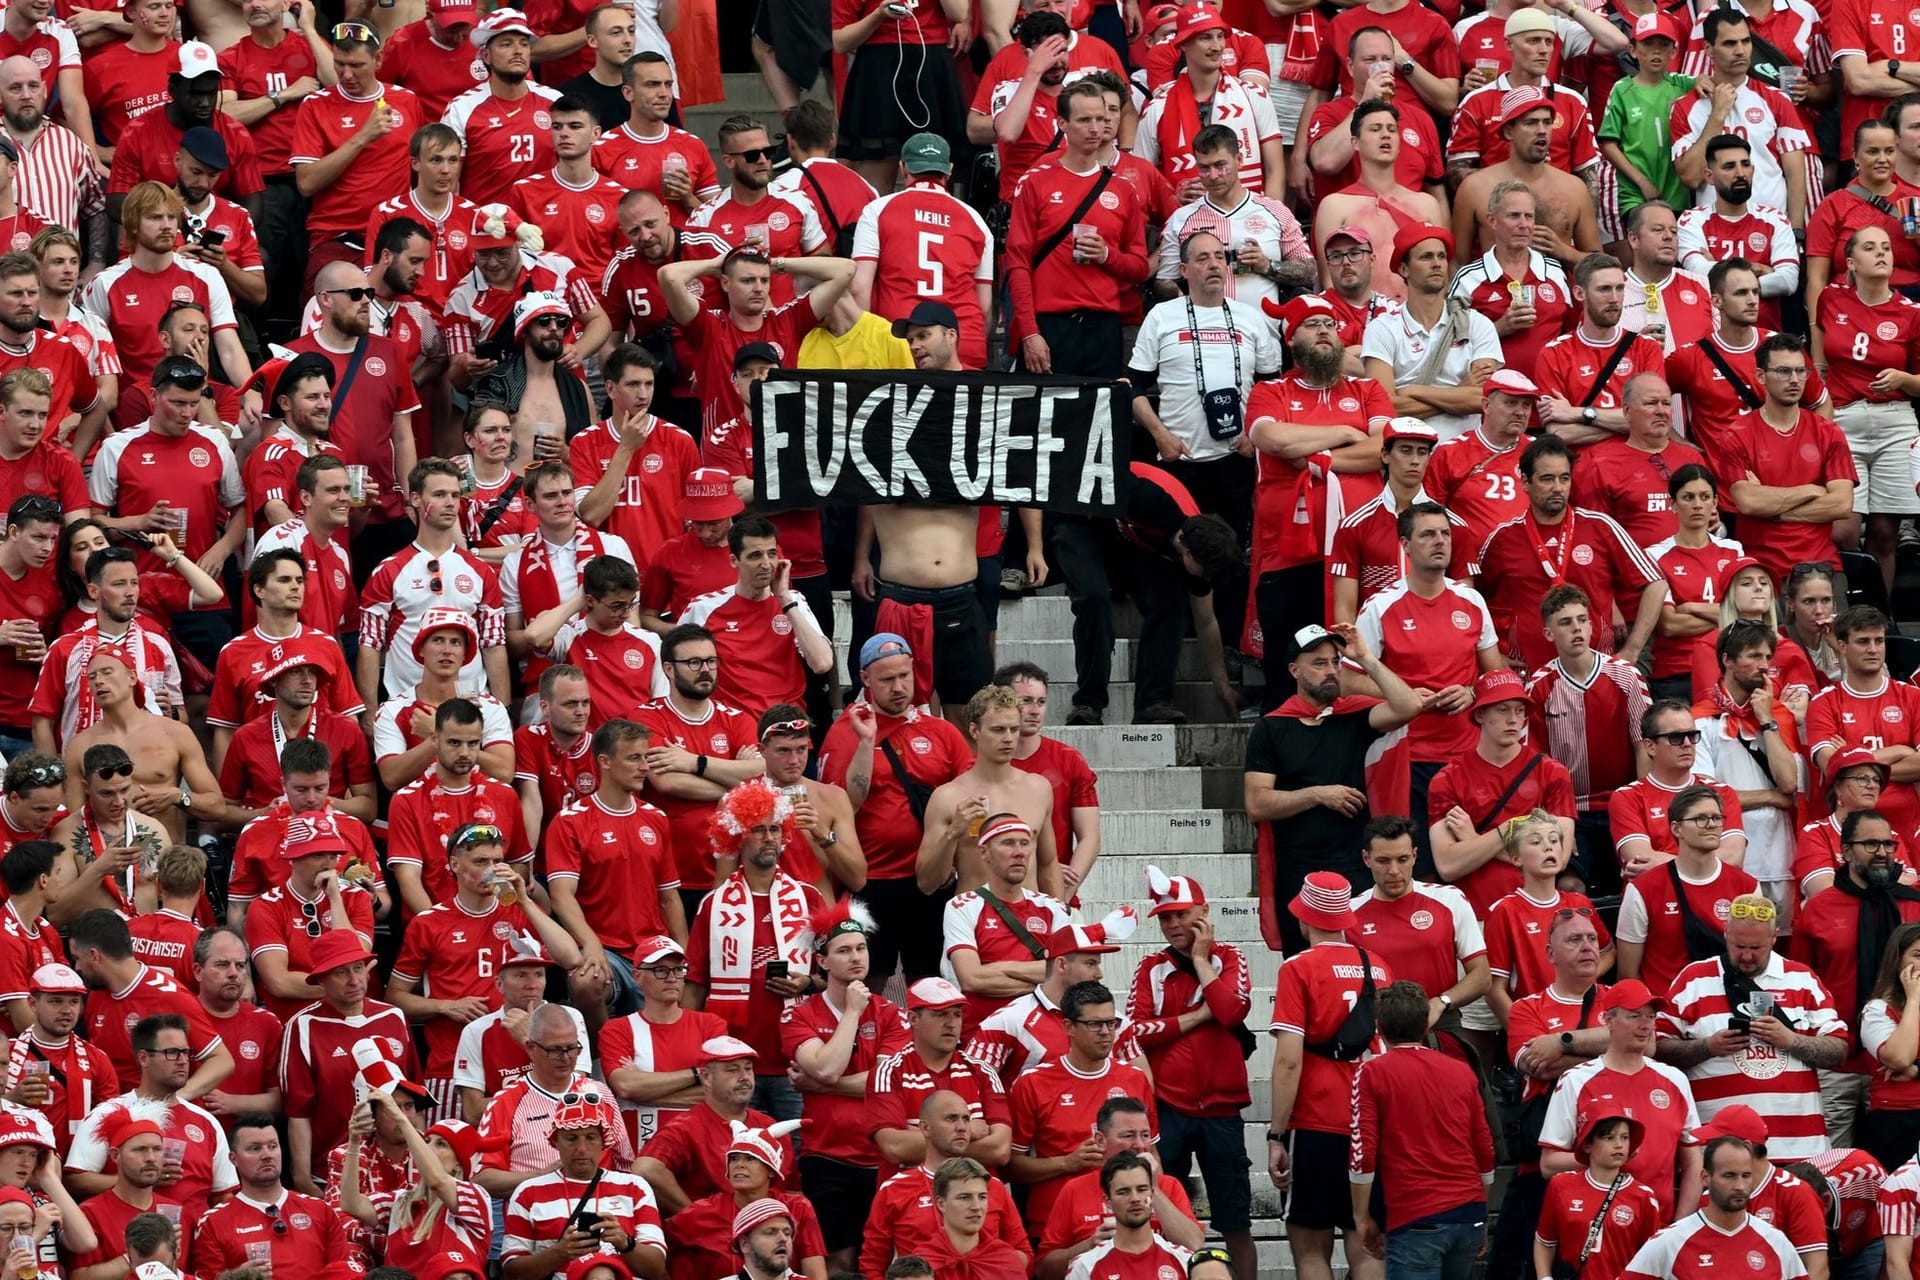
{"x":1477,"y":482}
{"x":450,"y":953}
{"x":501,"y":142}
{"x":1862,"y":341}
{"x":927,"y":245}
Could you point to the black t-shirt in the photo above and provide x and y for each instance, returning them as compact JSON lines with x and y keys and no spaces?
{"x":1154,"y":516}
{"x":1303,"y":753}
{"x":609,"y":105}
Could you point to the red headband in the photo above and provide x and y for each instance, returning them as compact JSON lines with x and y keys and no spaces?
{"x":1001,"y":828}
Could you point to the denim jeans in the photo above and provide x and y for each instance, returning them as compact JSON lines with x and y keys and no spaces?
{"x":1434,"y":1251}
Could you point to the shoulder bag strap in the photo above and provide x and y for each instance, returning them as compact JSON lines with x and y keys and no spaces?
{"x":1600,"y":1218}
{"x":1586,"y":1007}
{"x":498,"y":509}
{"x":1059,"y":237}
{"x":354,"y":360}
{"x":911,"y":787}
{"x":1880,"y":203}
{"x":820,"y":196}
{"x":1512,"y":787}
{"x":1014,"y":926}
{"x":1739,"y":384}
{"x":1614,"y":358}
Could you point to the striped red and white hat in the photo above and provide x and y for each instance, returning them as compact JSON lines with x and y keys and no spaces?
{"x":1172,"y":893}
{"x":764,"y":1144}
{"x":1325,"y":902}
{"x":758,"y":1212}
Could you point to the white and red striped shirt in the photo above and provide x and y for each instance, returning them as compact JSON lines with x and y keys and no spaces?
{"x":56,"y":177}
{"x":1782,"y":1088}
{"x":636,"y":1043}
{"x":969,"y":924}
{"x":1899,"y":1200}
{"x":476,"y":309}
{"x":538,"y":1211}
{"x":1366,"y":546}
{"x":1028,"y":1034}
{"x":1591,"y":726}
{"x":1239,"y":105}
{"x":401,"y":591}
{"x":522,"y":1112}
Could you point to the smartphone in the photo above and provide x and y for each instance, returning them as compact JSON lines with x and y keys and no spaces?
{"x":1740,"y":1026}
{"x":587,"y":1224}
{"x":213,"y":238}
{"x":776,"y":968}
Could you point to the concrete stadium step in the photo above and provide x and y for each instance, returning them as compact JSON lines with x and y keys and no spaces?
{"x":1123,"y":879}
{"x":1170,"y":787}
{"x":1170,"y":833}
{"x":1193,"y":698}
{"x":1044,"y":616}
{"x":1056,"y":656}
{"x":1157,"y":746}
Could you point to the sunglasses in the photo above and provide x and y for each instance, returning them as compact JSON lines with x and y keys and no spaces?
{"x":475,"y":833}
{"x":357,"y":293}
{"x":1761,"y":911}
{"x":590,"y":1097}
{"x":1212,"y":1253}
{"x":549,"y":322}
{"x":754,"y":154}
{"x":1570,"y":913}
{"x":355,"y":31}
{"x":1679,"y":737}
{"x":786,"y":726}
{"x":273,"y":1210}
{"x":310,"y":911}
{"x":433,"y":581}
{"x":115,"y":771}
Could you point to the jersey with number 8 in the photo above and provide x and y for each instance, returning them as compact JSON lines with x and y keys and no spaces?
{"x":452,"y":954}
{"x":1862,"y":340}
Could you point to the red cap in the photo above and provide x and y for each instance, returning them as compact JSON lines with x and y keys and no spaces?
{"x":1591,"y":1120}
{"x":1655,"y":26}
{"x":654,"y":949}
{"x":584,"y":1265}
{"x":22,"y":1128}
{"x":1736,"y":1120}
{"x":1517,"y":102}
{"x":758,"y":1212}
{"x":709,"y":495}
{"x":1408,"y":428}
{"x":1731,"y":570}
{"x":1197,"y":19}
{"x":1071,"y":938}
{"x":1629,"y":994}
{"x":444,"y":619}
{"x":310,"y":833}
{"x":1854,"y":758}
{"x":1358,"y":235}
{"x":1325,"y":901}
{"x":452,"y":13}
{"x":1493,"y":687}
{"x":129,"y":1129}
{"x":1409,"y":236}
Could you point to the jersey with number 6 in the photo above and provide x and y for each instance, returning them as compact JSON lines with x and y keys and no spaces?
{"x":450,"y":953}
{"x":1477,"y":482}
{"x":927,"y":244}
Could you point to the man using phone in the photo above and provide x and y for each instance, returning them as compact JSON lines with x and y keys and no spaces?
{"x":218,"y":232}
{"x":767,"y":636}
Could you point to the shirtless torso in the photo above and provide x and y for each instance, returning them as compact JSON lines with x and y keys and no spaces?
{"x":1381,"y":214}
{"x":1563,"y":205}
{"x":539,"y":403}
{"x":926,"y":546}
{"x":1005,"y":790}
{"x":165,"y":754}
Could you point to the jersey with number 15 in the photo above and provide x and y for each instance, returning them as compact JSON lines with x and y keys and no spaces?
{"x":927,"y":244}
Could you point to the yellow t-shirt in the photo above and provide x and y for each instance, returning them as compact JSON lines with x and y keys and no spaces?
{"x":869,"y":344}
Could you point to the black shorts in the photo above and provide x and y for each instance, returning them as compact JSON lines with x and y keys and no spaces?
{"x":948,"y":632}
{"x":841,"y":1195}
{"x":1318,"y":1198}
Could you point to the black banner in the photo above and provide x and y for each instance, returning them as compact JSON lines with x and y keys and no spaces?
{"x":855,"y":438}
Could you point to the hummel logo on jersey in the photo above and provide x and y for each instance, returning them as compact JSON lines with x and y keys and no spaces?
{"x":607,"y":837}
{"x":1066,"y":1099}
{"x":459,"y":935}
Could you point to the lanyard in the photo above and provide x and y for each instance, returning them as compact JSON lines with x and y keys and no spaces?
{"x":1556,"y":567}
{"x":1233,"y":340}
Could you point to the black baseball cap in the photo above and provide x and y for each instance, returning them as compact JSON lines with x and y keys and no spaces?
{"x":207,"y":146}
{"x":926,"y":313}
{"x":755,"y":351}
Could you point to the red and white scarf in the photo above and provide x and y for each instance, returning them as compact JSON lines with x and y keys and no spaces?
{"x":734,"y":969}
{"x":539,"y":591}
{"x":135,"y":646}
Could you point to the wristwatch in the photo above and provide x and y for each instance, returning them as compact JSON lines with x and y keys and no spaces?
{"x":1588,"y":415}
{"x":1893,"y":68}
{"x":1770,"y":726}
{"x":1406,"y":67}
{"x":1446,"y":1001}
{"x":1275,"y":1136}
{"x":1566,"y":1039}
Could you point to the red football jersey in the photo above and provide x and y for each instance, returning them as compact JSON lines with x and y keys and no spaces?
{"x":1813,"y":452}
{"x":451,"y":953}
{"x":933,"y":751}
{"x":637,"y":163}
{"x":164,"y":939}
{"x":623,"y":669}
{"x":1421,"y":162}
{"x":425,"y":812}
{"x":1476,"y":134}
{"x":1432,"y":644}
{"x":1517,"y":939}
{"x":1692,"y":575}
{"x":1573,"y":1202}
{"x":1313,"y":993}
{"x":237,"y":693}
{"x":759,"y":646}
{"x":1650,"y":914}
{"x":363,"y":421}
{"x":840,"y":1123}
{"x":631,"y":857}
{"x":435,"y":73}
{"x":35,"y":595}
{"x":1695,"y":1249}
{"x":722,"y":734}
{"x":1638,"y":811}
{"x":317,"y":1070}
{"x":111,"y":1015}
{"x":926,"y":243}
{"x":1522,"y":560}
{"x":452,"y":257}
{"x":1053,"y":1108}
{"x":1041,"y":205}
{"x":253,"y":70}
{"x":502,"y":140}
{"x":279,"y":920}
{"x":761,"y":1025}
{"x":646,"y":511}
{"x":1490,"y":291}
{"x":132,"y":302}
{"x":1478,"y":483}
{"x":75,"y":389}
{"x":899,"y":1083}
{"x":1862,"y":339}
{"x":1475,"y":784}
{"x":579,"y":222}
{"x":123,"y":84}
{"x":729,"y":447}
{"x":330,"y":117}
{"x":714,"y":338}
{"x":783,"y":228}
{"x":637,"y":1043}
{"x":684,"y":568}
{"x":1888,"y":716}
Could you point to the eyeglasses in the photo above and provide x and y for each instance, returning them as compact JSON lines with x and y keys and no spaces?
{"x":698,"y":664}
{"x":1859,"y":779}
{"x":115,"y":771}
{"x":476,"y":833}
{"x":1783,"y":371}
{"x":1679,"y":737}
{"x":667,"y":972}
{"x":1098,"y":1024}
{"x":1761,"y":911}
{"x":1703,"y":821}
{"x":1348,"y":255}
{"x":357,"y":293}
{"x":433,"y":581}
{"x":355,"y":31}
{"x":279,"y":1223}
{"x":561,"y":1051}
{"x":591,"y":1097}
{"x":171,"y":1055}
{"x":1874,"y":846}
{"x":754,"y":154}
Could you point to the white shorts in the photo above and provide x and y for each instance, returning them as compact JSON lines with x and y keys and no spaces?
{"x":1479,"y":1016}
{"x":1881,"y":437}
{"x":1287,"y":96}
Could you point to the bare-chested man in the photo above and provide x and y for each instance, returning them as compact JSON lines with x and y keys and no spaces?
{"x":824,"y":847}
{"x":103,"y":841}
{"x":1564,"y":227}
{"x":1378,"y":203}
{"x":170,"y":773}
{"x":925,"y":590}
{"x":949,"y":848}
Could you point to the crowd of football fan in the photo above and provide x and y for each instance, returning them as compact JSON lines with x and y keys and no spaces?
{"x":435,"y":838}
